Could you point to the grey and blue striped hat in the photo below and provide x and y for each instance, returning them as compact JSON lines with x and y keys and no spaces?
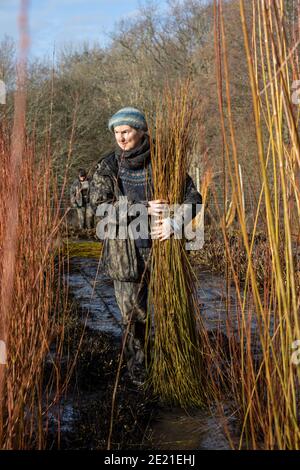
{"x":128,"y":116}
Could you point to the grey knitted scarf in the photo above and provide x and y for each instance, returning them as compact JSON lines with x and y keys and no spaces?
{"x":137,"y":158}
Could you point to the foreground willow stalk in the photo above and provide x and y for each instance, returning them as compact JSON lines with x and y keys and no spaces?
{"x":176,"y":369}
{"x":264,"y":374}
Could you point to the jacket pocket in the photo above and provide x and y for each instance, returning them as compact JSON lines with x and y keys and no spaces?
{"x":119,"y":259}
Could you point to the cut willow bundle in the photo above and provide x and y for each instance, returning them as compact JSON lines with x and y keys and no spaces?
{"x":176,"y":369}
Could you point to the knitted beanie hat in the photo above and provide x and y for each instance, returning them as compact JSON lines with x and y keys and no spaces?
{"x":81,"y":172}
{"x":128,"y":116}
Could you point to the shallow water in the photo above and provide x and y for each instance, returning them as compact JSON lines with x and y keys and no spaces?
{"x":172,"y":428}
{"x":95,"y":293}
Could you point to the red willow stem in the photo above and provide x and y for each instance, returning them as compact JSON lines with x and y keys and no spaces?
{"x":12,"y":216}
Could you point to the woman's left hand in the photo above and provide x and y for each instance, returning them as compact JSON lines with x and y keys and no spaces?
{"x":162,"y":229}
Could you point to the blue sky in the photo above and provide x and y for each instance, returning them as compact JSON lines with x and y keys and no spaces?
{"x":64,"y":21}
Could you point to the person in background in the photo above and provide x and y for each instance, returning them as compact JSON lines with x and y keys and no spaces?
{"x":80,"y":199}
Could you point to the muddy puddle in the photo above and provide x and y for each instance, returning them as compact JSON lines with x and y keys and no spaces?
{"x":175,"y":428}
{"x":168,"y":427}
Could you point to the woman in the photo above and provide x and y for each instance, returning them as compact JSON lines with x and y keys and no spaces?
{"x":126,"y":172}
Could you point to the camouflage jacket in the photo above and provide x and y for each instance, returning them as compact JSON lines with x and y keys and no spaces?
{"x":119,"y":255}
{"x":76,"y":198}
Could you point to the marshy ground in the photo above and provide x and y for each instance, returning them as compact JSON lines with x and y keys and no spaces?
{"x":140,"y":420}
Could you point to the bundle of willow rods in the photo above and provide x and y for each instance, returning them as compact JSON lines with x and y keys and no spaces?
{"x":176,"y":369}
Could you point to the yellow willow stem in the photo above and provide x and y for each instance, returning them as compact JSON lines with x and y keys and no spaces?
{"x":279,"y":148}
{"x":245,"y":235}
{"x":267,"y":192}
{"x":261,"y":155}
{"x":269,"y":121}
{"x":228,"y":160}
{"x":241,"y":214}
{"x":290,"y":272}
{"x":290,"y":266}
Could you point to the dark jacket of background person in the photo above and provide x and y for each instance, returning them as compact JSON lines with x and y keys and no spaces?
{"x":76,"y":193}
{"x":80,"y":200}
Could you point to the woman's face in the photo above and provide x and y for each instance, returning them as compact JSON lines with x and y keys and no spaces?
{"x":127,"y":137}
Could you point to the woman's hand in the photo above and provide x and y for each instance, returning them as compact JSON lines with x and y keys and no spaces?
{"x":162,"y":226}
{"x":162,"y":229}
{"x":158,"y":207}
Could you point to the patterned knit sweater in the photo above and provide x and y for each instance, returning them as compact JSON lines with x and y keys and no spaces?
{"x":136,"y":184}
